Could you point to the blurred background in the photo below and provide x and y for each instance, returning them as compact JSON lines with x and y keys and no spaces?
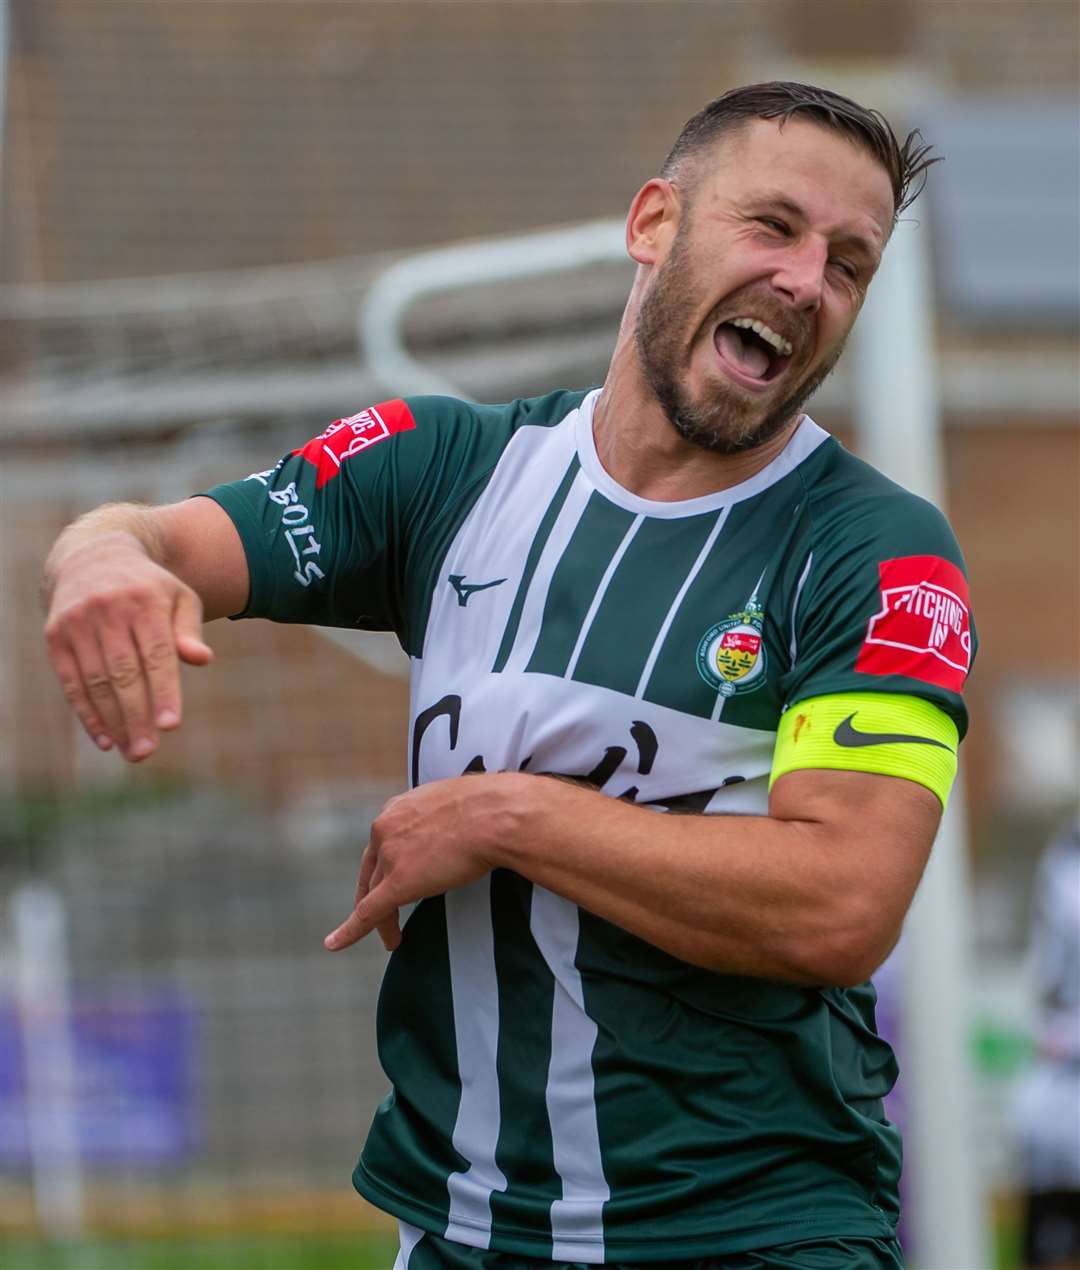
{"x":197,"y":199}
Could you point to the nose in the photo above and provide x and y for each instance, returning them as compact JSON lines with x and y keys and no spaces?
{"x":800,"y":274}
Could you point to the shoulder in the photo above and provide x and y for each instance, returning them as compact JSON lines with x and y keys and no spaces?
{"x":453,"y":412}
{"x":478,"y":433}
{"x":853,"y":506}
{"x":426,"y":439}
{"x":885,"y":607}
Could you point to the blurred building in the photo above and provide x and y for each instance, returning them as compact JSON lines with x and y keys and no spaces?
{"x":197,"y":197}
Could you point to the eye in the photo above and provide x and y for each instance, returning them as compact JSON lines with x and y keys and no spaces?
{"x":776,"y":225}
{"x":846,"y":268}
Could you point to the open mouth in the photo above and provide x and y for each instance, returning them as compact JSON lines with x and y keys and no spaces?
{"x":751,"y":352}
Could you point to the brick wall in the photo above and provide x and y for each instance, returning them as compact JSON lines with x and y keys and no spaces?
{"x":181,"y":136}
{"x":1012,"y":500}
{"x":185,"y":136}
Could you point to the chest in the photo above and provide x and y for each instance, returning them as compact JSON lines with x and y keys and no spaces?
{"x":568,"y":634}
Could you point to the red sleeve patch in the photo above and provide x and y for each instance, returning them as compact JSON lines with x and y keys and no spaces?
{"x":346,"y":437}
{"x":923,"y":628}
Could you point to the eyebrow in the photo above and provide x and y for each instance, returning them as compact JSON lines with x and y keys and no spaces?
{"x":849,"y":238}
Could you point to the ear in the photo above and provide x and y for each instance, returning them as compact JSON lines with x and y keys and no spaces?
{"x":653,"y":221}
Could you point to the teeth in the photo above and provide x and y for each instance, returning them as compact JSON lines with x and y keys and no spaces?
{"x":782,"y":346}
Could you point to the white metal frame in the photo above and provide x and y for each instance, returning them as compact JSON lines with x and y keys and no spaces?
{"x":467,"y":265}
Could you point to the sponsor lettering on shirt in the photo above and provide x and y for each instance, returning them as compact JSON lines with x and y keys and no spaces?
{"x":923,"y":627}
{"x":296,"y":523}
{"x":346,"y":437}
{"x":299,"y":533}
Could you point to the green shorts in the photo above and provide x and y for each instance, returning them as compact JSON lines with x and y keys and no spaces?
{"x":430,"y":1252}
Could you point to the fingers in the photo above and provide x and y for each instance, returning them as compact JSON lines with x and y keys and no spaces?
{"x":119,"y":668}
{"x":91,"y":689}
{"x":161,"y":669}
{"x":382,"y":903}
{"x":74,"y":689}
{"x":104,"y":685}
{"x":390,"y":931}
{"x":376,"y":910}
{"x":351,"y":931}
{"x":119,"y":688}
{"x":368,"y":861}
{"x":187,"y":630}
{"x":355,"y":926}
{"x":372,"y":875}
{"x":121,"y":681}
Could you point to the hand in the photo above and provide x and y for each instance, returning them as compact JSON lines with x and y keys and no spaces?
{"x":426,"y":842}
{"x":117,"y":629}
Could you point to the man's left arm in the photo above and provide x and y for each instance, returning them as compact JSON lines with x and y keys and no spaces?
{"x":815,"y":892}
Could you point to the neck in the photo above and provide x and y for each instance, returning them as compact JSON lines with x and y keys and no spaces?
{"x":641,"y":450}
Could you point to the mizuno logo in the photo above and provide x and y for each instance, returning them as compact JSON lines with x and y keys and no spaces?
{"x":845,"y":734}
{"x":465,"y":589}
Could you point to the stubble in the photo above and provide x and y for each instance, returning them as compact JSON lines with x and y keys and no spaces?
{"x":727,"y":421}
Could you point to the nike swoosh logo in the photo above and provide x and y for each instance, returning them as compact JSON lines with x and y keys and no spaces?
{"x":465,"y":589}
{"x":845,"y":734}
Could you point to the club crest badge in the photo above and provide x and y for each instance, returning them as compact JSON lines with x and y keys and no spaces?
{"x":731,"y":655}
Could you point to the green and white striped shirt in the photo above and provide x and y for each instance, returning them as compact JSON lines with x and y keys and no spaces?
{"x":562,"y":1089}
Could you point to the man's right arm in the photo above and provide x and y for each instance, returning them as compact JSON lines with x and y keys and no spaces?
{"x":334,"y":534}
{"x":126,"y":589}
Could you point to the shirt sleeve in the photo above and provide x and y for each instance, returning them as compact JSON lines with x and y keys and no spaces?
{"x":885,"y":607}
{"x":338,"y":532}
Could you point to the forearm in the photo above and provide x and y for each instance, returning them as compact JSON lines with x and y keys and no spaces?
{"x":767,"y":896}
{"x":815,"y":892}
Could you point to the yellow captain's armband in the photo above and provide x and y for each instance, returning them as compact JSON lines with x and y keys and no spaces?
{"x":869,"y":732}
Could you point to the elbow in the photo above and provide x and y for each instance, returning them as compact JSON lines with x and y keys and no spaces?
{"x":849,"y":952}
{"x":846,"y":970}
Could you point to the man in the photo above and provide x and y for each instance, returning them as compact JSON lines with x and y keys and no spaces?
{"x":685,"y":709}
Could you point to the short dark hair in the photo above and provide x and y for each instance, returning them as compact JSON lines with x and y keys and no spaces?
{"x":869,"y":129}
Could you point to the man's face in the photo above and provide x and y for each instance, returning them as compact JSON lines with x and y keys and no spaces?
{"x":785,"y":229}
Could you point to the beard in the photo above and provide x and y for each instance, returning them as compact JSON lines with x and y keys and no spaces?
{"x":725,"y":421}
